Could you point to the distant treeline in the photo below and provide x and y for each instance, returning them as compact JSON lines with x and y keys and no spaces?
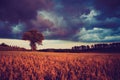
{"x":5,"y":47}
{"x":110,"y":47}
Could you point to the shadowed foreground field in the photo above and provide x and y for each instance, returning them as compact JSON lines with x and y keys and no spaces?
{"x":58,"y":66}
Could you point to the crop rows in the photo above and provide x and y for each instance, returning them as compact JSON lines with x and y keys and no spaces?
{"x":58,"y":66}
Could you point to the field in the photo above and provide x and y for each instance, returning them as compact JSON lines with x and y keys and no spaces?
{"x":18,"y":65}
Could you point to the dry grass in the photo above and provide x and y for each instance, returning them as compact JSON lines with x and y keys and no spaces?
{"x":58,"y":66}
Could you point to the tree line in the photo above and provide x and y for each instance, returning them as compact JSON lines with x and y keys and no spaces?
{"x":108,"y":47}
{"x":5,"y":47}
{"x":111,"y":48}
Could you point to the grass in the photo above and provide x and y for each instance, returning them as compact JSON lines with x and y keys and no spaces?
{"x":18,"y":65}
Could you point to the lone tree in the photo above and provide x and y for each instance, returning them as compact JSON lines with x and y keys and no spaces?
{"x":34,"y":37}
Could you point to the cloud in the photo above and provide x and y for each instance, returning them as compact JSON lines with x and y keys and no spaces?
{"x":53,"y":17}
{"x":98,"y":35}
{"x":90,"y":18}
{"x":41,"y":22}
{"x":17,"y":29}
{"x":21,"y":10}
{"x":76,"y":20}
{"x":108,"y":8}
{"x":51,"y":24}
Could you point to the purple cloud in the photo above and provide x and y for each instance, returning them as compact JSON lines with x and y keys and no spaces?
{"x":61,"y":19}
{"x":22,"y":10}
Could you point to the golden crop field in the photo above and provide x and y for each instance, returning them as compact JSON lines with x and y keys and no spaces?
{"x":18,"y":65}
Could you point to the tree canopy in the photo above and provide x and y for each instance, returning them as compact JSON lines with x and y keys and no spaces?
{"x":34,"y":37}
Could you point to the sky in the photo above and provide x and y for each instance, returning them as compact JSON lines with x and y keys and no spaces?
{"x":69,"y":20}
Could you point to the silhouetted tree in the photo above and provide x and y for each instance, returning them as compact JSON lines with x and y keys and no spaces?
{"x":34,"y":37}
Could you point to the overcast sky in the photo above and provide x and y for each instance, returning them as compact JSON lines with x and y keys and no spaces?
{"x":73,"y":20}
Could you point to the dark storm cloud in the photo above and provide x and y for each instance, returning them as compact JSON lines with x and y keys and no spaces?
{"x":77,"y":20}
{"x":75,"y":7}
{"x":93,"y":14}
{"x":5,"y":32}
{"x":108,"y":8}
{"x":13,"y":12}
{"x":21,"y":10}
{"x":109,"y":13}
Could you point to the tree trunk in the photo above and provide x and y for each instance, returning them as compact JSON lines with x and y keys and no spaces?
{"x":33,"y":46}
